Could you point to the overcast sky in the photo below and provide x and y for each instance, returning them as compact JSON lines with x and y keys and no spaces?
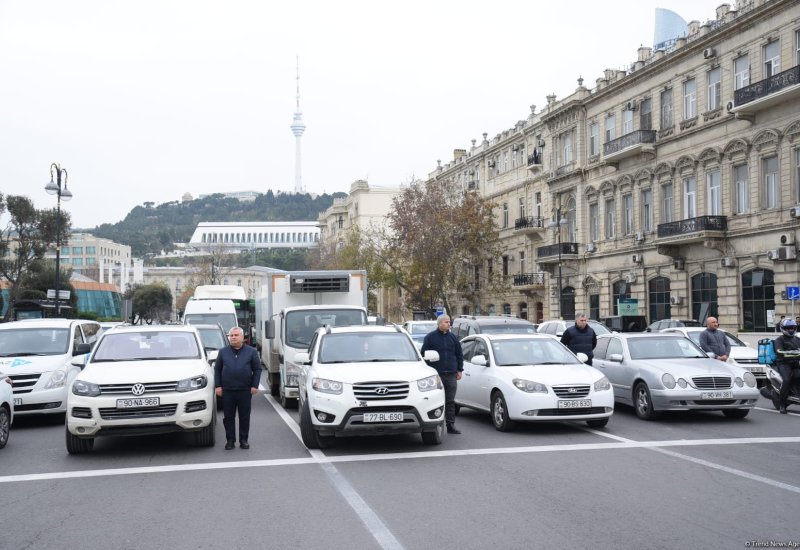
{"x":144,"y":101}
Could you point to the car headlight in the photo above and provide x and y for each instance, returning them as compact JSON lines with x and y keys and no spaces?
{"x":738,"y":381}
{"x":326,"y":386}
{"x":529,"y":386}
{"x":682,"y":383}
{"x":430,"y":383}
{"x":749,"y":379}
{"x":57,"y":379}
{"x":86,"y":389}
{"x":602,"y":385}
{"x":191,"y":384}
{"x":668,"y":380}
{"x":291,"y":368}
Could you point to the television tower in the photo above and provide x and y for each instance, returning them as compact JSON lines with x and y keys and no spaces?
{"x":298,"y":127}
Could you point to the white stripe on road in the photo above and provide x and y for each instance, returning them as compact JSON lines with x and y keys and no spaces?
{"x":790,"y":413}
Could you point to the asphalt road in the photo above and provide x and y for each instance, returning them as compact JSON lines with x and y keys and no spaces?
{"x":688,"y":480}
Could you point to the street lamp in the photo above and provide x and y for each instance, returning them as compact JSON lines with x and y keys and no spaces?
{"x":55,"y":188}
{"x":556,"y":226}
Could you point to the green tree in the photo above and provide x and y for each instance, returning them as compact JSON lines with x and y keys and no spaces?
{"x":41,"y":278}
{"x":151,"y":303}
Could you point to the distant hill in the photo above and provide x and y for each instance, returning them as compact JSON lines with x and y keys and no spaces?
{"x":149,"y":229}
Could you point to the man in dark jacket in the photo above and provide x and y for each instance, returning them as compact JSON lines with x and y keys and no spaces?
{"x":449,"y":366}
{"x":714,"y":341}
{"x":787,"y":348}
{"x":237,"y":372}
{"x":580,"y":338}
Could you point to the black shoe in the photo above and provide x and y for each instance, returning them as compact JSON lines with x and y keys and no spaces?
{"x":244,"y":444}
{"x":230,"y":445}
{"x":783,"y":410}
{"x":452,"y":430}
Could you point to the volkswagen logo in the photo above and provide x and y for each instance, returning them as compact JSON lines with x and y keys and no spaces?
{"x":138,"y":389}
{"x":383,"y":390}
{"x":573,"y":390}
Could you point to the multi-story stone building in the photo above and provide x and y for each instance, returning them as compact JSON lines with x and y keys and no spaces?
{"x":89,"y":256}
{"x":673,"y":186}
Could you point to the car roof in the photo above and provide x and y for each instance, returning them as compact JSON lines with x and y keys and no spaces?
{"x":493,"y":319}
{"x":629,"y":335}
{"x":510,"y":336}
{"x":46,"y":323}
{"x":364,"y":329}
{"x":154,"y":328}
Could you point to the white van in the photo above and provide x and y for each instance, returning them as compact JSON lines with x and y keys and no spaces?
{"x":210,"y":312}
{"x":37,"y":353}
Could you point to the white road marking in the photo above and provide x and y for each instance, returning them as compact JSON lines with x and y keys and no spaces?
{"x":773,"y":411}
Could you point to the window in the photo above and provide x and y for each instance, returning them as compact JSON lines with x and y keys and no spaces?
{"x":538,"y":205}
{"x":647,"y":209}
{"x":566,"y":147}
{"x":77,"y":250}
{"x":505,"y":266}
{"x":742,"y":188}
{"x":646,"y":115}
{"x":772,"y":59}
{"x":627,"y":205}
{"x":91,"y":261}
{"x":620,"y":290}
{"x":689,"y":198}
{"x":797,"y":175}
{"x":505,"y":215}
{"x":572,"y":222}
{"x":521,"y":207}
{"x":658,"y":297}
{"x":689,"y":99}
{"x":594,"y":222}
{"x":704,"y":292}
{"x":77,"y":261}
{"x":713,"y":90}
{"x":758,"y":297}
{"x":771,"y":190}
{"x":741,"y":72}
{"x":489,"y":268}
{"x":594,"y":134}
{"x":522,"y":261}
{"x":714,"y":193}
{"x":611,"y":130}
{"x":610,"y":219}
{"x":91,"y":250}
{"x":65,"y":250}
{"x":666,"y":203}
{"x":797,"y":47}
{"x":627,"y":122}
{"x":666,"y":109}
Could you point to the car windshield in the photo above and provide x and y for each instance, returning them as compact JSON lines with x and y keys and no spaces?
{"x":226,"y":320}
{"x":663,"y":348}
{"x":34,"y":341}
{"x":732,"y":340}
{"x":422,"y":328}
{"x":366,"y":347}
{"x":599,"y":328}
{"x":212,"y":338}
{"x":134,"y":346}
{"x":301,"y":325}
{"x":528,"y":351}
{"x":508,"y":328}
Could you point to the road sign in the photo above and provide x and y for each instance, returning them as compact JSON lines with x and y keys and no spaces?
{"x":628,"y":306}
{"x":793,"y":292}
{"x":439,"y":310}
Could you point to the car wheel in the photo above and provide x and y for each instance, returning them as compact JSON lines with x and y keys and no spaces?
{"x":599,"y":423}
{"x":286,"y":402}
{"x":435,"y":437}
{"x":5,"y":426}
{"x":643,"y":403}
{"x":735,"y":413}
{"x":78,"y":445}
{"x":206,"y":437}
{"x":500,"y":413}
{"x":310,"y":436}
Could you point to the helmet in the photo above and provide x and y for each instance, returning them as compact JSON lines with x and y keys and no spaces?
{"x":788,"y":327}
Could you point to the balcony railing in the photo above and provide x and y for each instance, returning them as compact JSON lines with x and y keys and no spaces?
{"x":693,"y":225}
{"x":553,"y":250}
{"x":535,"y":159}
{"x":766,"y":87}
{"x":637,"y":137}
{"x":529,"y":279}
{"x":529,"y":222}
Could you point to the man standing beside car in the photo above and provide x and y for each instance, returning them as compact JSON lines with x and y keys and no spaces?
{"x":237,"y":372}
{"x":580,"y":337}
{"x":449,"y":366}
{"x":713,"y":340}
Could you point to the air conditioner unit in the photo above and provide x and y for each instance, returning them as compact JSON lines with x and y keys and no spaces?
{"x":637,"y":258}
{"x":708,"y":53}
{"x":782,"y":253}
{"x":591,"y":247}
{"x":729,"y":107}
{"x":794,"y":211}
{"x":639,"y":237}
{"x":679,"y":263}
{"x":630,"y":106}
{"x":787,"y":238}
{"x":675,"y":300}
{"x":728,"y":261}
{"x":491,"y":164}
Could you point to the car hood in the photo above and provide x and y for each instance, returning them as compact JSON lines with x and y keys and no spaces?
{"x":691,"y":367}
{"x":30,"y":364}
{"x":120,"y":372}
{"x":352,"y":373}
{"x":741,"y":352}
{"x":555,"y":374}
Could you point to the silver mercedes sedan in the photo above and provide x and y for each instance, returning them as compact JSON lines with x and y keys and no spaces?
{"x":657,"y":372}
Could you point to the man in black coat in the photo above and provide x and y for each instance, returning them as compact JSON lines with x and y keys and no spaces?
{"x":449,"y":366}
{"x":237,"y":372}
{"x":580,"y":338}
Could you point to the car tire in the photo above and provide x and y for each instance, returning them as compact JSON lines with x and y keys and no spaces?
{"x":597,"y":423}
{"x":5,"y":425}
{"x":643,"y":402}
{"x":286,"y":402}
{"x":435,"y":437}
{"x":499,"y":411}
{"x":309,"y":435}
{"x":735,"y":413}
{"x":78,"y":445}
{"x":206,"y":437}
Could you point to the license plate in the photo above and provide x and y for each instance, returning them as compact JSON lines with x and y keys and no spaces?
{"x":137,"y":402}
{"x":716,"y":395}
{"x":17,"y":402}
{"x":575,"y":404}
{"x":383,"y":417}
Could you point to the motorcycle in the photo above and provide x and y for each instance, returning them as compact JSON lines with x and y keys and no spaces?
{"x":772,"y":385}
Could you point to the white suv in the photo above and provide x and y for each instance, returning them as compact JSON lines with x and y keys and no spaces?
{"x":142,"y":380}
{"x":368,"y":380}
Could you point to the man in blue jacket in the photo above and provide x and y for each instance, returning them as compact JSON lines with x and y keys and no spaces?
{"x":580,"y":337}
{"x":237,"y":372}
{"x":449,"y":366}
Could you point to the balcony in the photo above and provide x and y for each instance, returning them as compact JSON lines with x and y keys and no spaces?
{"x":780,"y":88}
{"x":549,"y":254}
{"x":529,"y":281}
{"x":692,"y":229}
{"x":629,"y":145}
{"x":530,"y":225}
{"x":535,"y":162}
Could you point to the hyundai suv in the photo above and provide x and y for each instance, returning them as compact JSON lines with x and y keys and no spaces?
{"x":368,"y":380}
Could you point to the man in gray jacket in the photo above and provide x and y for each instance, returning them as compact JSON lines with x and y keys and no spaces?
{"x":713,"y":340}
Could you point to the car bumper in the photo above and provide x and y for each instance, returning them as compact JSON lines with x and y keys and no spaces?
{"x":527,"y":407}
{"x":690,"y":399}
{"x":41,"y":402}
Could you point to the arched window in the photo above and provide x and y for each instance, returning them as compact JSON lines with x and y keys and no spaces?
{"x":506,"y":309}
{"x":539,"y":312}
{"x":491,"y":309}
{"x":758,"y":297}
{"x":658,"y":298}
{"x":568,"y":303}
{"x":619,"y":290}
{"x":572,"y":226}
{"x":704,"y":296}
{"x":523,"y":310}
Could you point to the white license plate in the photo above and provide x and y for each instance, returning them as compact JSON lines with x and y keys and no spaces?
{"x":575,"y":404}
{"x":716,"y":395}
{"x":17,"y":402}
{"x":383,"y":417}
{"x":138,"y":402}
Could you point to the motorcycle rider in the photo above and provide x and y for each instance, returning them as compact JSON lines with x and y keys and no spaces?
{"x":787,"y":348}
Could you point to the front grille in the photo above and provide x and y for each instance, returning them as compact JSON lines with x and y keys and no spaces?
{"x":380,"y":391}
{"x":714,"y":401}
{"x":149,"y":387}
{"x":81,"y":412}
{"x":139,"y":412}
{"x":753,"y":361}
{"x":571,"y":412}
{"x":24,"y":383}
{"x":711,"y":382}
{"x":194,"y":406}
{"x":571,"y":392}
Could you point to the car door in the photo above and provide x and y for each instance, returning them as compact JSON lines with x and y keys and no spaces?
{"x":465,"y":384}
{"x":614,"y":370}
{"x":481,"y":376}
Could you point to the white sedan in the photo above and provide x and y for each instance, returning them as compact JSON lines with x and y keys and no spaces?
{"x":530,"y":378}
{"x":6,"y":408}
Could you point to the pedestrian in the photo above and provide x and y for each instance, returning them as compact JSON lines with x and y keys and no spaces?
{"x":787,"y":349}
{"x":449,"y":366}
{"x":778,"y":324}
{"x":580,"y":337}
{"x":237,"y":372}
{"x":713,"y":340}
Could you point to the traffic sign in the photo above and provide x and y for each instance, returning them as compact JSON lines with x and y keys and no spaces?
{"x":439,"y":310}
{"x":793,"y":292}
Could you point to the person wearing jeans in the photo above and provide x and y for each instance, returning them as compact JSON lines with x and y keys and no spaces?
{"x":449,"y":366}
{"x":237,"y":372}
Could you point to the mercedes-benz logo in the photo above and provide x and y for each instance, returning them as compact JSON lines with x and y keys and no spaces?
{"x":383,"y":390}
{"x":138,"y":389}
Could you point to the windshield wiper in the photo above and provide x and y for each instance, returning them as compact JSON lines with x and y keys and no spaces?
{"x":511,"y":364}
{"x":549,"y":363}
{"x":21,"y":354}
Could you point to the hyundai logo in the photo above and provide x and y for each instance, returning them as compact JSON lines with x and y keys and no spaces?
{"x":383,"y":390}
{"x":573,"y":390}
{"x":138,"y":389}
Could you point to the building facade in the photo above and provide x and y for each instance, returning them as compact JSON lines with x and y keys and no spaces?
{"x":243,"y":236}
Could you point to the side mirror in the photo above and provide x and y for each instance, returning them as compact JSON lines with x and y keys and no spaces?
{"x":431,"y":356}
{"x":269,"y":329}
{"x":79,"y":360}
{"x":559,"y":333}
{"x":81,"y":349}
{"x":582,"y":357}
{"x":615,"y":357}
{"x":212,"y":354}
{"x":479,"y":360}
{"x":302,"y":358}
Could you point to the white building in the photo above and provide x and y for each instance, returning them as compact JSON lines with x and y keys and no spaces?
{"x":241,"y":236}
